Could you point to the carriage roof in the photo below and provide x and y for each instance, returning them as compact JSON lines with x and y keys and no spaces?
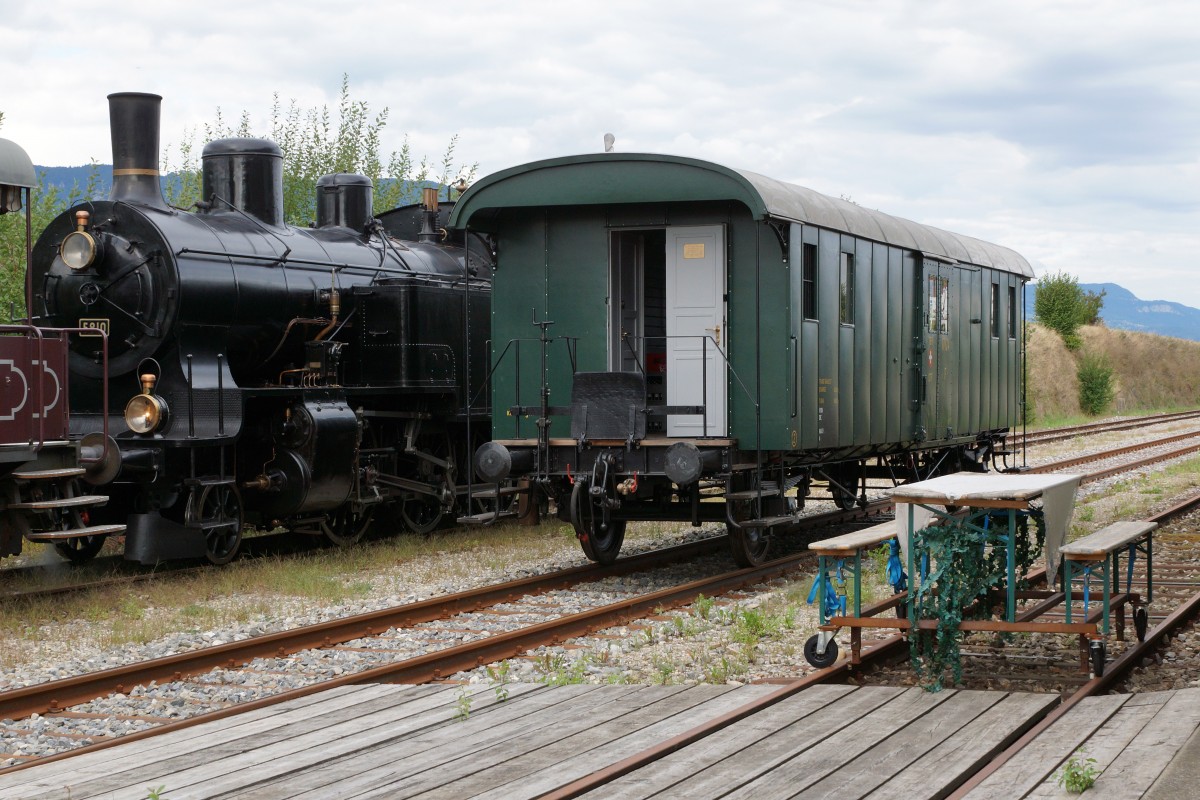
{"x":609,"y":178}
{"x":15,"y":167}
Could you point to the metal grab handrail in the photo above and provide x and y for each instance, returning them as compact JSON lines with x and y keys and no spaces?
{"x":513,"y":346}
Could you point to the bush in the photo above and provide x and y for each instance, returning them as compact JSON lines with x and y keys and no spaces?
{"x":1062,"y":306}
{"x":1096,"y":388}
{"x":316,"y":142}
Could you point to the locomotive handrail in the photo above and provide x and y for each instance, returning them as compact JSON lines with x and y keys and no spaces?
{"x":326,"y":265}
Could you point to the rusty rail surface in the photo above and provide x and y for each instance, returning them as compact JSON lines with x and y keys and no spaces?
{"x":889,"y":649}
{"x":59,"y":695}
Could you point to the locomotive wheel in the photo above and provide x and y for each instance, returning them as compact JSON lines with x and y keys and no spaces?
{"x":600,"y":542}
{"x":344,"y":527}
{"x":421,"y":514}
{"x":218,"y":512}
{"x":79,"y":549}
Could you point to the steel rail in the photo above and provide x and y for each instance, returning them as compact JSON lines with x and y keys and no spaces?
{"x":469,"y":655}
{"x":888,"y":648}
{"x":1119,"y":668}
{"x":61,"y":694}
{"x":1074,"y":431}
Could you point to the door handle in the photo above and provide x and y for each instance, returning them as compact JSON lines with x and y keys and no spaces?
{"x":716,"y":332}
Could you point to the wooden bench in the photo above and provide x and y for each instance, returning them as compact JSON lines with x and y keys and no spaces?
{"x":1105,"y":547}
{"x":849,"y":544}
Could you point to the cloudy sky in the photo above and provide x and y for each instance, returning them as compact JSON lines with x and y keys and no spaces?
{"x":1069,"y":131}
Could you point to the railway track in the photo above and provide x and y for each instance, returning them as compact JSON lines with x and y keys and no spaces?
{"x":31,"y":582}
{"x":895,"y":647}
{"x":66,"y":705}
{"x":1066,"y":433}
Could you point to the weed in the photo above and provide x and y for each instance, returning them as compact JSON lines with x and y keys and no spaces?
{"x":462,"y":704}
{"x":704,"y":606}
{"x":1078,"y":774}
{"x":156,"y":792}
{"x":665,"y":669}
{"x":499,"y":676}
{"x":566,"y":672}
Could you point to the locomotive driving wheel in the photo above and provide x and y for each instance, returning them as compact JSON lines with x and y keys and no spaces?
{"x":346,"y":526}
{"x":421,"y":514}
{"x":600,"y":536}
{"x":217,"y":510}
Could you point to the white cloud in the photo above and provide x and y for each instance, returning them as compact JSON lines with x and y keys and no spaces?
{"x":1066,"y":129}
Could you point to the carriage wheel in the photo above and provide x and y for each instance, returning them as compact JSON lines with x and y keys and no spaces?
{"x":421,"y":514}
{"x":217,"y":511}
{"x":345,"y":526}
{"x":601,"y":541}
{"x":749,"y":546}
{"x":849,"y":476}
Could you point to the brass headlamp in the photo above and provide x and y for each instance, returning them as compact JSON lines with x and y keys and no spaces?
{"x":146,"y":412}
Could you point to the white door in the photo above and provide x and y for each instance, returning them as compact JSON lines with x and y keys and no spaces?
{"x":696,"y":330}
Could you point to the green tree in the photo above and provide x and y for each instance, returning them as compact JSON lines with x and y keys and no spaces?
{"x":1061,"y":305}
{"x":316,"y":142}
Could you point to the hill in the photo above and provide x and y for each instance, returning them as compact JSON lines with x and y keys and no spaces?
{"x":1149,"y":371}
{"x":1125,"y":311}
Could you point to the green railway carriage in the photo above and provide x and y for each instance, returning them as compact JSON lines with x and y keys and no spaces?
{"x":668,"y":332}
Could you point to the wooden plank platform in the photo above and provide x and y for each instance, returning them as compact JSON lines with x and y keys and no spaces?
{"x":1135,"y":738}
{"x":827,"y":741}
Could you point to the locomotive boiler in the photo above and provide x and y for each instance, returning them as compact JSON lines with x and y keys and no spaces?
{"x":260,"y":373}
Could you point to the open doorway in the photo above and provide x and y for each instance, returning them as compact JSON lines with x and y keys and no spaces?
{"x":637,"y":321}
{"x":667,"y":319}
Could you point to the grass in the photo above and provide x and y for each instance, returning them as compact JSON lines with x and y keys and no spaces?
{"x":261,"y":589}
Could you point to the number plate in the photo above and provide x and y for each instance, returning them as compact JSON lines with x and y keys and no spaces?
{"x":98,"y":324}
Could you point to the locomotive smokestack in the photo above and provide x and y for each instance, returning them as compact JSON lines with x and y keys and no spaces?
{"x":133,"y":121}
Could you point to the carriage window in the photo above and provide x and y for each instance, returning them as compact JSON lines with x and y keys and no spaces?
{"x":809,"y":266}
{"x":995,"y":311}
{"x":939,"y":304}
{"x":1012,"y":312}
{"x":847,"y":293}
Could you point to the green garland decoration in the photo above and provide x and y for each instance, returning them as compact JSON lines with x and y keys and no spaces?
{"x":964,"y":566}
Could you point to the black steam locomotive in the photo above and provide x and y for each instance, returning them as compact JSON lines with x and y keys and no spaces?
{"x":259,"y":373}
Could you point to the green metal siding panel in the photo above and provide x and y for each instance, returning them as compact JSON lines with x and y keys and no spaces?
{"x":899,"y":346}
{"x":862,"y":365}
{"x":881,"y":399}
{"x":772,"y":302}
{"x":913,"y":335}
{"x":809,"y":331}
{"x":520,"y":281}
{"x":828,"y":266}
